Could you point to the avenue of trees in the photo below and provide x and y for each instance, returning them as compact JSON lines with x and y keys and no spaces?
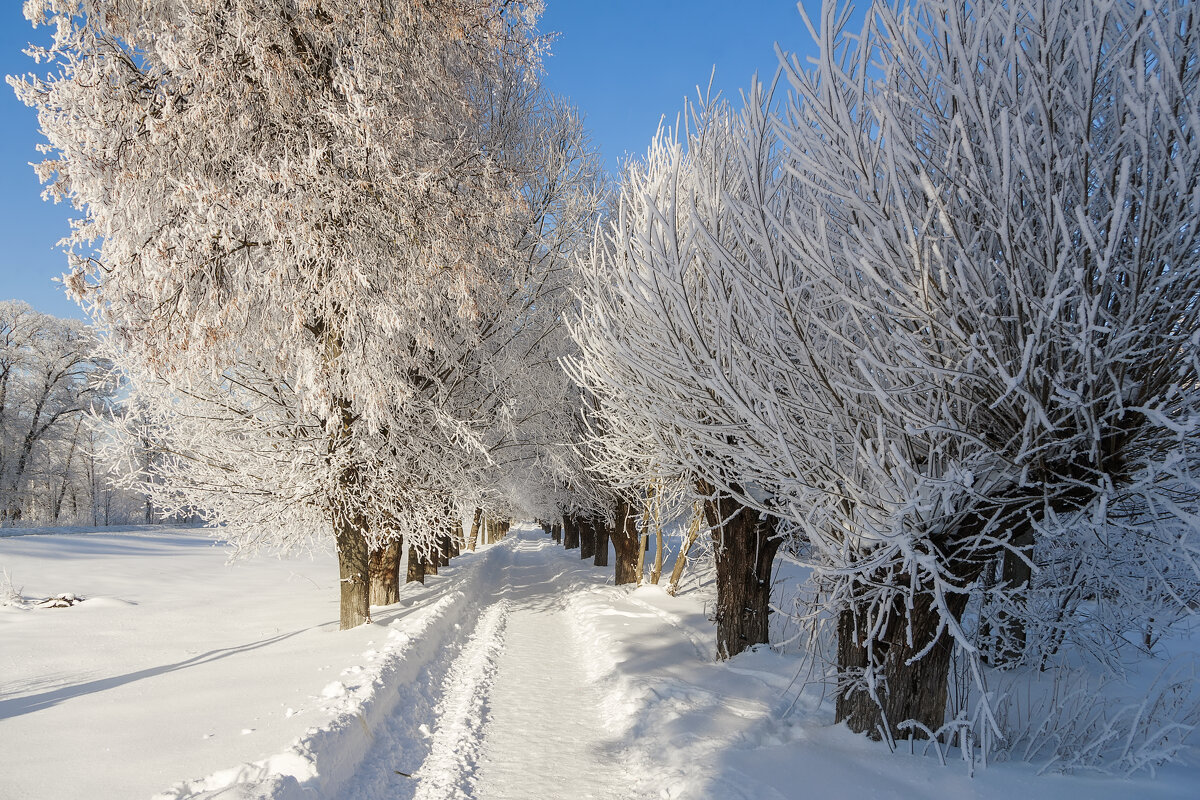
{"x":921,"y":313}
{"x":937,"y":311}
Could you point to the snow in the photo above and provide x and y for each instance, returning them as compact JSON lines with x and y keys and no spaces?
{"x":517,"y":672}
{"x":562,"y":724}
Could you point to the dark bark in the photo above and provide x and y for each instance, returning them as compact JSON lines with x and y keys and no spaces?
{"x":625,"y":541}
{"x":1005,"y":629}
{"x":744,"y":546}
{"x":474,"y":537}
{"x":556,"y":532}
{"x":570,"y":532}
{"x":353,"y":571}
{"x":454,"y":531}
{"x":602,"y":533}
{"x":587,"y":538}
{"x":416,"y":567}
{"x":907,"y":691}
{"x":385,"y":573}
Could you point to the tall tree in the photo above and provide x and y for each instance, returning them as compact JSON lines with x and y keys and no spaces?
{"x":299,"y":199}
{"x":1005,"y":211}
{"x":50,"y":376}
{"x":940,"y":314}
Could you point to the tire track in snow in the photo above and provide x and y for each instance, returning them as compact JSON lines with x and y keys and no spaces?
{"x":396,"y":742}
{"x":448,"y":772}
{"x":547,"y":735}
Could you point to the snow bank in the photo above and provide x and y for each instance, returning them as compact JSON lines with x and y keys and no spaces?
{"x":178,"y":664}
{"x":328,"y":755}
{"x":749,"y":728}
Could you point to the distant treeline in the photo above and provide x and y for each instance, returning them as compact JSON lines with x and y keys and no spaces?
{"x":56,"y":395}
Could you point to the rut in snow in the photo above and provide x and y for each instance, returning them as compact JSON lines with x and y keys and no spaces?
{"x":515,"y":714}
{"x":545,"y":737}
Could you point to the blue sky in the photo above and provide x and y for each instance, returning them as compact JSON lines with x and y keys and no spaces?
{"x":624,"y":63}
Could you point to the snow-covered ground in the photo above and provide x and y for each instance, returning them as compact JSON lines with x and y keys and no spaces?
{"x":515,"y":673}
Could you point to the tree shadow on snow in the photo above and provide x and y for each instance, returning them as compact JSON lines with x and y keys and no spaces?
{"x":16,"y":706}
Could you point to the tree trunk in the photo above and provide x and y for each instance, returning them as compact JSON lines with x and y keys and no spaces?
{"x":625,"y":541}
{"x":643,"y":543}
{"x":556,"y":532}
{"x":681,"y":559}
{"x":353,"y":570}
{"x":416,"y":567}
{"x":570,"y":532}
{"x":654,"y":525}
{"x":433,"y":558}
{"x":656,"y":570}
{"x":600,"y":528}
{"x":744,"y":544}
{"x":915,"y":691}
{"x":587,"y":538}
{"x":454,"y":531}
{"x":385,"y":573}
{"x":15,"y":510}
{"x":474,"y":538}
{"x":66,"y":471}
{"x":349,"y":524}
{"x":1005,"y":629}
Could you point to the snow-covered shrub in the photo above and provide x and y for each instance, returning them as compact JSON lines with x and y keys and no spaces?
{"x":1007,"y":223}
{"x":1073,"y":719}
{"x":1099,"y":592}
{"x":10,"y":593}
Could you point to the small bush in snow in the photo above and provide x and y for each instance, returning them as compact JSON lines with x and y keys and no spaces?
{"x":1073,"y":719}
{"x":10,"y":594}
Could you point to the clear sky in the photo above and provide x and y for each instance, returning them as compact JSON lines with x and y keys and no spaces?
{"x":625,"y":63}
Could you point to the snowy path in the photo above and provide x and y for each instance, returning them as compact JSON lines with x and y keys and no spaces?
{"x":516,"y":715}
{"x":545,"y":737}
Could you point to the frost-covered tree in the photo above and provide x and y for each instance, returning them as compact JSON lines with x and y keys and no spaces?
{"x":939,"y":314}
{"x":296,"y":205}
{"x":666,"y":333}
{"x":509,"y":384}
{"x":1009,"y":217}
{"x":50,"y":376}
